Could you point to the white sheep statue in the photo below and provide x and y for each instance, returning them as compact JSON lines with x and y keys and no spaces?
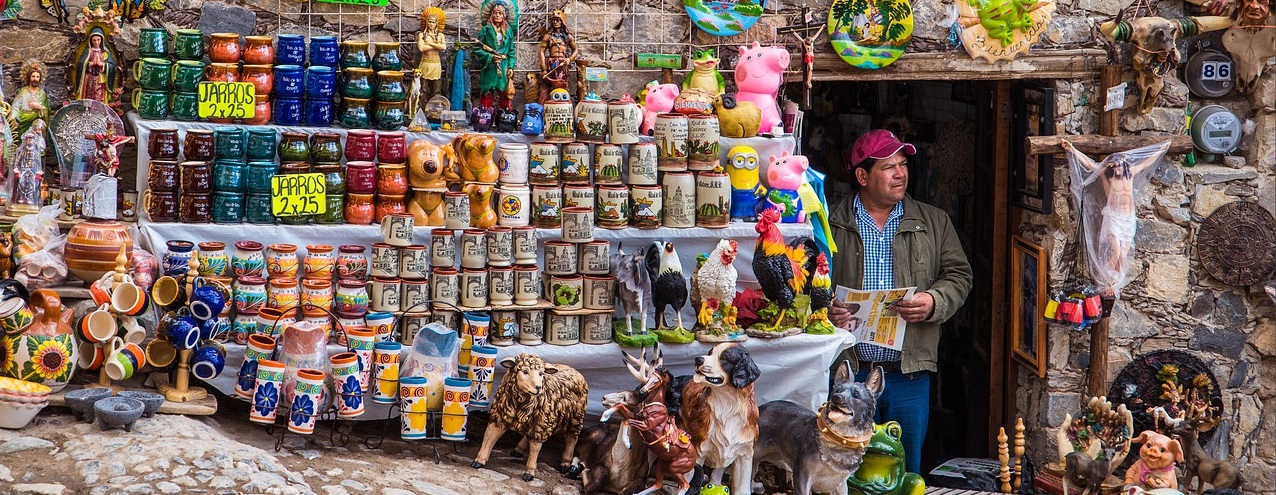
{"x":537,"y":400}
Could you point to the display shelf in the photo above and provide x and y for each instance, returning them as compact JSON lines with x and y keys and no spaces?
{"x":62,"y":224}
{"x":540,"y":304}
{"x":581,"y":312}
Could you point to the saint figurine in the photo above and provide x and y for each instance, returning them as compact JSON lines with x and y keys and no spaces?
{"x":107,"y":159}
{"x":31,"y":103}
{"x":28,"y":169}
{"x":558,"y":54}
{"x":95,"y":75}
{"x":496,"y":54}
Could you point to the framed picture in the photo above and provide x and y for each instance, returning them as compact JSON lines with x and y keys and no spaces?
{"x":1027,"y":300}
{"x":1032,"y":176}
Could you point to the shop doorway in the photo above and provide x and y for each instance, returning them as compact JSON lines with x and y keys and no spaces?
{"x":963,"y":131}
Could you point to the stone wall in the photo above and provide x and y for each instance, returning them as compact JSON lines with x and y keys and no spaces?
{"x":1171,"y":301}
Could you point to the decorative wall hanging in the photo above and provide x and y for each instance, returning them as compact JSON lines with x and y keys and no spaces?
{"x":67,"y":129}
{"x":131,"y":10}
{"x":1033,"y":175}
{"x":1155,"y":53}
{"x":9,"y":9}
{"x":1237,"y":244}
{"x":57,"y":9}
{"x":1002,"y":29}
{"x":1251,"y":46}
{"x":870,"y":35}
{"x":724,"y":17}
{"x":1173,"y":381}
{"x":95,"y":72}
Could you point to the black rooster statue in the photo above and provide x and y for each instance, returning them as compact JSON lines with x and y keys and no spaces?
{"x":668,"y":288}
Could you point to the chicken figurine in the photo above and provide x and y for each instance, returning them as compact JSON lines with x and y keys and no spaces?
{"x":784,"y":272}
{"x":715,"y":282}
{"x":668,"y":288}
{"x":633,"y":291}
{"x":821,"y":291}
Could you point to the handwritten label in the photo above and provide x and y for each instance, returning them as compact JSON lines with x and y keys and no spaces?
{"x":657,"y":61}
{"x":223,"y":100}
{"x":299,"y":194}
{"x":596,"y":74}
{"x":1116,"y":98}
{"x":374,"y":3}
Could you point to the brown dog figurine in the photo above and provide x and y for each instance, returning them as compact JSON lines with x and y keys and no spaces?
{"x":671,"y":447}
{"x":1155,"y":467}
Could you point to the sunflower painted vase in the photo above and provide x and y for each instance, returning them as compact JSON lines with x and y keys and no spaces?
{"x":46,"y":351}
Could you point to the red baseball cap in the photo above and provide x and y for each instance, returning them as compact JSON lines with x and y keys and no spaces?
{"x":878,"y":144}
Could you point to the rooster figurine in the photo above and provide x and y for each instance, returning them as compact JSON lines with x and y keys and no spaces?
{"x":715,"y":282}
{"x":783,"y":270}
{"x":821,"y":290}
{"x":668,"y":288}
{"x":633,"y":290}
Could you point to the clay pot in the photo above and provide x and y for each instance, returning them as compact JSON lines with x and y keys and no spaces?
{"x":387,"y":204}
{"x":258,"y":50}
{"x":224,"y":48}
{"x":325,"y":147}
{"x":222,"y":72}
{"x":92,"y":245}
{"x":163,"y":144}
{"x":392,"y":147}
{"x":293,"y":147}
{"x":262,"y":77}
{"x":392,"y":178}
{"x":361,"y":177}
{"x":361,"y":145}
{"x":359,"y":209}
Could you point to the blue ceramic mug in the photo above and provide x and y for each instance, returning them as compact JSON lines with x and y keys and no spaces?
{"x":207,"y":302}
{"x":228,"y":175}
{"x":324,"y":51}
{"x":183,"y":332}
{"x":287,"y":111}
{"x":208,"y":360}
{"x":321,"y":82}
{"x":290,"y":49}
{"x":228,"y":207}
{"x":290,"y":81}
{"x":319,"y":112}
{"x":214,"y":328}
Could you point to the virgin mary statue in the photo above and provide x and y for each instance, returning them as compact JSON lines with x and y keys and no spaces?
{"x":96,"y":69}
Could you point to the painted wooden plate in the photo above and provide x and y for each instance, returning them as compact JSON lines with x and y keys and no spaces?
{"x":1002,"y":29}
{"x":724,"y":17}
{"x":870,"y":34}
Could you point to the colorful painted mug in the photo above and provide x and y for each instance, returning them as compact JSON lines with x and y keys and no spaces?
{"x":153,"y":73}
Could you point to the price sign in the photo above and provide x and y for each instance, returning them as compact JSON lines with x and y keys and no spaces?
{"x":300,"y":194}
{"x":657,"y":61}
{"x":223,"y":100}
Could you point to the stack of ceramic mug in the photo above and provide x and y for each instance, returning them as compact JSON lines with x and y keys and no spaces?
{"x":356,"y":85}
{"x":154,"y":73}
{"x":260,"y":169}
{"x":390,"y":94}
{"x":398,"y":268}
{"x":289,"y":83}
{"x":325,"y":154}
{"x":187,"y":72}
{"x":321,"y":81}
{"x":229,"y":171}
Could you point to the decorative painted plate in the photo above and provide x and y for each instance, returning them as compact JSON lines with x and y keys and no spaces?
{"x":724,"y":17}
{"x":1002,"y":29}
{"x":870,"y":34}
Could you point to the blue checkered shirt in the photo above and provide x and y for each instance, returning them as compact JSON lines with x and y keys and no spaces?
{"x":879,"y":267}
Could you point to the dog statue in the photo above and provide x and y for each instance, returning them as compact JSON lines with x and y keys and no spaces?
{"x":720,"y":413}
{"x":1155,"y":467}
{"x":822,"y":449}
{"x":1078,"y":465}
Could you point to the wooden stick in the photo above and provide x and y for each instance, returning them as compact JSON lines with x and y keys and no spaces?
{"x":1004,"y":456}
{"x":1019,"y":449}
{"x":1109,"y":76}
{"x":1105,"y":145}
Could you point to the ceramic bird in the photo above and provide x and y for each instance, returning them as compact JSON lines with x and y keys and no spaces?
{"x":821,"y":284}
{"x":695,"y":279}
{"x":716,"y":279}
{"x":783,"y":270}
{"x":668,"y":285}
{"x":633,"y":286}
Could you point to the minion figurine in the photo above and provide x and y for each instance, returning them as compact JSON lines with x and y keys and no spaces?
{"x":742,"y":167}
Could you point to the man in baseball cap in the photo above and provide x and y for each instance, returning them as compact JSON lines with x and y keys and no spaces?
{"x":889,"y":240}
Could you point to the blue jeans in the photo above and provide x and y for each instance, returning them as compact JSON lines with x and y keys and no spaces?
{"x":906,"y":399}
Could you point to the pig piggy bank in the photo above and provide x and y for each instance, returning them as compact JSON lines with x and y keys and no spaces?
{"x":659,"y":100}
{"x":758,"y":75}
{"x":783,"y":176}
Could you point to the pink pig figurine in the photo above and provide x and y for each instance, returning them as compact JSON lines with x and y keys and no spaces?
{"x":784,"y":175}
{"x":758,"y":75}
{"x":659,"y":100}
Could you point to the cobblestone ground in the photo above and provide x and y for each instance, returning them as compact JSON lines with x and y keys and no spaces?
{"x":226,"y":454}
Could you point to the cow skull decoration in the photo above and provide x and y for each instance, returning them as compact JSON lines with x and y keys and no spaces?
{"x":1155,"y":54}
{"x":1251,"y":41}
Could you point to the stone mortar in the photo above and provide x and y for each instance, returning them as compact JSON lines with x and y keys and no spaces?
{"x":82,"y":401}
{"x":119,"y":412}
{"x":151,"y":400}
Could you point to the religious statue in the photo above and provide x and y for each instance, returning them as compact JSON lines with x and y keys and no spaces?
{"x":107,"y":159}
{"x":1109,"y":219}
{"x":31,"y":103}
{"x":95,"y":73}
{"x":496,"y":53}
{"x":431,"y":43}
{"x":558,"y":53}
{"x":28,"y":170}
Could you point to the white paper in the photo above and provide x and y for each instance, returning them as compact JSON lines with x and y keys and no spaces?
{"x":873,"y":312}
{"x":1116,"y":98}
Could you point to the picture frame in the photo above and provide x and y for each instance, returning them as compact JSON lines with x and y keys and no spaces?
{"x":1032,"y":177}
{"x":1027,"y":301}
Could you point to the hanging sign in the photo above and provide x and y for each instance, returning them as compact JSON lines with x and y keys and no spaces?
{"x":870,"y":35}
{"x":299,"y":194}
{"x":226,"y":100}
{"x":657,"y":61}
{"x":724,"y":17}
{"x":995,"y":30}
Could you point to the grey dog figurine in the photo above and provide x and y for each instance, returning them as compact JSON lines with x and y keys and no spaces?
{"x":822,"y":449}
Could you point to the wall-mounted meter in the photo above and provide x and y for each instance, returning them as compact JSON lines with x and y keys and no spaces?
{"x":1209,"y":73}
{"x":1215,"y":130}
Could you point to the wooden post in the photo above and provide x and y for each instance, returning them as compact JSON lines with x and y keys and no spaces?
{"x":1003,"y":454}
{"x":1019,"y":449}
{"x":121,"y":268}
{"x":180,"y":390}
{"x":1109,"y":76}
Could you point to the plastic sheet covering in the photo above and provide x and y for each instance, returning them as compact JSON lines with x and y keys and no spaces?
{"x":433,"y":356}
{"x":1107,"y":192}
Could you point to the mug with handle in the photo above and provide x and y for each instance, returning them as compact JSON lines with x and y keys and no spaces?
{"x":15,"y":315}
{"x":100,"y":290}
{"x":207,"y":302}
{"x":153,"y":73}
{"x":97,"y":326}
{"x":131,"y":330}
{"x":129,"y":299}
{"x":165,"y":291}
{"x":208,"y":360}
{"x":183,"y":332}
{"x":150,"y":103}
{"x":123,"y":360}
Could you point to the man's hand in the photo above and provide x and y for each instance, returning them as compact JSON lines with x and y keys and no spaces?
{"x":840,"y":316}
{"x":916,"y":309}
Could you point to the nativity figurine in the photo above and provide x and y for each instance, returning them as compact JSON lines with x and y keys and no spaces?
{"x":496,"y":54}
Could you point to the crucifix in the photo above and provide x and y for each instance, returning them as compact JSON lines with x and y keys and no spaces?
{"x":805,"y":33}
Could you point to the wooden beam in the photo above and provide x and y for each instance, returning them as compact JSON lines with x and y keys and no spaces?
{"x":1105,"y":145}
{"x":1109,"y":76}
{"x":1001,"y":369}
{"x":952,"y":66}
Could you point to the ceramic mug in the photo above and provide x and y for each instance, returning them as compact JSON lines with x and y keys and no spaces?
{"x":560,"y":258}
{"x":208,"y":360}
{"x":442,"y":248}
{"x":15,"y":315}
{"x":160,"y":353}
{"x":396,"y":228}
{"x":414,"y":262}
{"x":384,"y":261}
{"x":386,"y":372}
{"x":444,"y":285}
{"x":123,"y":360}
{"x":290,"y":49}
{"x":207,"y":302}
{"x":578,"y":224}
{"x":129,"y":299}
{"x":189,"y":44}
{"x":151,"y":103}
{"x":381,"y":322}
{"x":456,"y":210}
{"x":384,"y":295}
{"x":501,"y":286}
{"x":131,"y":330}
{"x":153,"y":73}
{"x":527,"y":286}
{"x":97,"y":326}
{"x":524,"y":241}
{"x":473,"y":248}
{"x":599,"y":292}
{"x":415,"y":295}
{"x":186,"y":76}
{"x":92,"y":356}
{"x":183,"y":332}
{"x":473,"y":288}
{"x":595,"y":257}
{"x":500,"y":246}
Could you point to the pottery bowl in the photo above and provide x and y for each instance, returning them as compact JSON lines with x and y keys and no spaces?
{"x":151,"y":400}
{"x":14,"y":386}
{"x":81,"y":401}
{"x":118,"y":412}
{"x":14,"y":415}
{"x":23,"y":399}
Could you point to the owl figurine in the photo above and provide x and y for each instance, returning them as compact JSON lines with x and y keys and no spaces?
{"x":746,"y":188}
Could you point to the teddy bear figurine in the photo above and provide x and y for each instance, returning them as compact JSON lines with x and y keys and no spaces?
{"x":1155,"y":467}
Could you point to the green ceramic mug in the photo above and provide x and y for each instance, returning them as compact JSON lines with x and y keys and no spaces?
{"x":150,"y":103}
{"x":261,"y":144}
{"x":189,"y":44}
{"x":228,"y":207}
{"x":152,"y":73}
{"x":185,"y":106}
{"x":187,"y":74}
{"x":231,"y":142}
{"x":152,"y":43}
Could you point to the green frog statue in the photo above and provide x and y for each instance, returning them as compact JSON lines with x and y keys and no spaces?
{"x":704,"y":74}
{"x":882,"y":471}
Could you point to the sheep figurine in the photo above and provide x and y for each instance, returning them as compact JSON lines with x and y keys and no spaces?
{"x":537,"y":400}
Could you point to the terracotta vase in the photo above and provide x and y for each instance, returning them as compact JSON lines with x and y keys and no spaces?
{"x":92,"y":245}
{"x":224,"y":48}
{"x":258,"y":50}
{"x":427,"y":207}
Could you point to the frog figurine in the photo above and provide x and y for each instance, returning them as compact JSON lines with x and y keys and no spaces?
{"x":882,"y":471}
{"x":704,"y":74}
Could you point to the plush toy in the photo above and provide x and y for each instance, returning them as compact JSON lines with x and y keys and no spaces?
{"x":659,"y":99}
{"x":473,"y":154}
{"x":427,"y":164}
{"x":742,"y":167}
{"x":1155,"y":467}
{"x":704,"y":74}
{"x":784,"y":176}
{"x":736,"y":119}
{"x":758,"y":76}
